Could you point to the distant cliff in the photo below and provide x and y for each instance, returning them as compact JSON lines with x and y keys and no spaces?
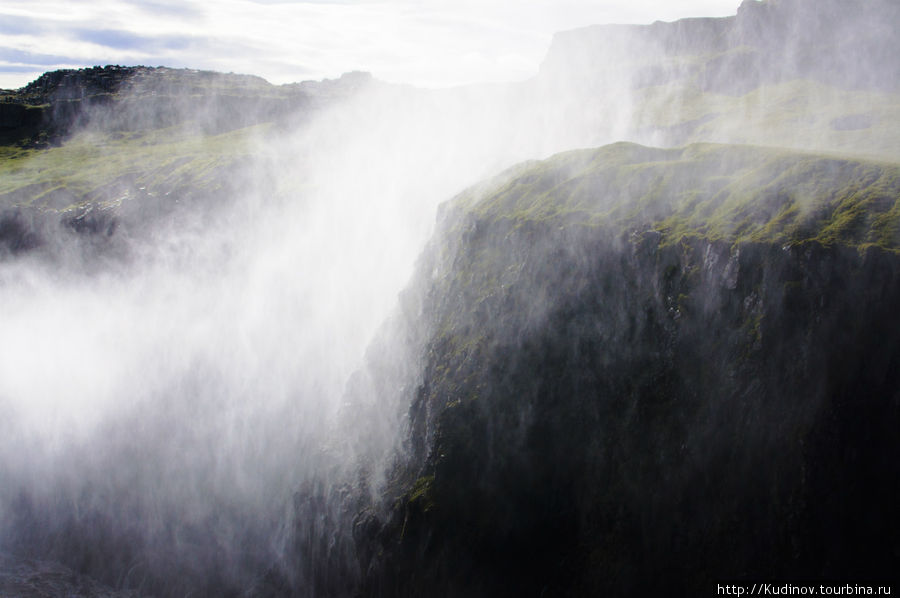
{"x":88,"y":153}
{"x":136,"y":98}
{"x":851,"y":44}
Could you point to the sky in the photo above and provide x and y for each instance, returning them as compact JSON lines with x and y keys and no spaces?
{"x":427,"y":43}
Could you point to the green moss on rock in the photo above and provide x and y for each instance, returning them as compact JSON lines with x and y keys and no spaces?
{"x":729,"y":193}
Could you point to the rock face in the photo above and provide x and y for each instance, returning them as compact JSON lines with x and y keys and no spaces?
{"x":136,"y":98}
{"x":848,"y":44}
{"x":25,"y":578}
{"x":610,"y":409}
{"x":118,"y":98}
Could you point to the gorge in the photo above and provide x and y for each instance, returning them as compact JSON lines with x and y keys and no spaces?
{"x":626,"y":327}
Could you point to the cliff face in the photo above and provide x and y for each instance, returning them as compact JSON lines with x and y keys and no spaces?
{"x":609,"y":405}
{"x":848,"y":44}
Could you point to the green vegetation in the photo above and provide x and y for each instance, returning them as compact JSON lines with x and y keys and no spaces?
{"x":800,"y":114}
{"x":722,"y":193}
{"x":423,"y":493}
{"x":105,"y":167}
{"x":100,"y":135}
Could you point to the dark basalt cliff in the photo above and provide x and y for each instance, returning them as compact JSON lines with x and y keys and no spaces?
{"x":611,"y":405}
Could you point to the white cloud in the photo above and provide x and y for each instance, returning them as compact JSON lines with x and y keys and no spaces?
{"x":430,"y":42}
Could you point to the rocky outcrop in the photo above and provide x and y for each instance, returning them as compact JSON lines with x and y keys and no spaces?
{"x":117,"y":98}
{"x":72,"y":84}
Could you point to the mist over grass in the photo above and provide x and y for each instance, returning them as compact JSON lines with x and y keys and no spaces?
{"x":185,"y":376}
{"x":173,"y":379}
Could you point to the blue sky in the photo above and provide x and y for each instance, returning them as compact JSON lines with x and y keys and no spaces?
{"x":432,"y":43}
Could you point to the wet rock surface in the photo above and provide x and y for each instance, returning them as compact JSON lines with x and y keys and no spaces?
{"x":30,"y":578}
{"x":609,"y":413}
